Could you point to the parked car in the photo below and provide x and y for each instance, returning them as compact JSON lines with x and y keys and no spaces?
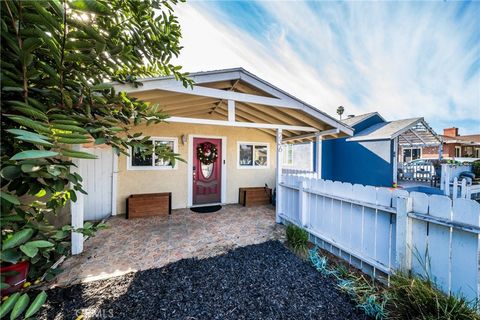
{"x":419,"y":169}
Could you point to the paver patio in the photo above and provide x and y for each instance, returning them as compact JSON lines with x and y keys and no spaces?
{"x":140,"y":244}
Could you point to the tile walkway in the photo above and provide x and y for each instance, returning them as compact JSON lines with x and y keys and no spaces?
{"x":139,"y":244}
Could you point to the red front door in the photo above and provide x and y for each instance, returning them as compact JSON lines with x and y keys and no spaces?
{"x":207,"y":170}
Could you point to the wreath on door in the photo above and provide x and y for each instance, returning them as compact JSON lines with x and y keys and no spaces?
{"x":207,"y":153}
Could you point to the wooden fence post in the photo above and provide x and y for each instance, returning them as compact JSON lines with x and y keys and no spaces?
{"x":403,"y":250}
{"x":302,"y":203}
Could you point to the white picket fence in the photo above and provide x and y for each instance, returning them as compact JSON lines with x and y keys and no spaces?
{"x":380,"y":230}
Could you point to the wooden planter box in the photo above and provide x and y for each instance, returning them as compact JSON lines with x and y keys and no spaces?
{"x":254,"y":196}
{"x":149,"y":205}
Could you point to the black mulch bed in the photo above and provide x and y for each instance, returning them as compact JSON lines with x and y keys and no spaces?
{"x":264,"y":281}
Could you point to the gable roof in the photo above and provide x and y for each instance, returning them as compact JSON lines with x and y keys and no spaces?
{"x":351,"y":121}
{"x":411,"y":132}
{"x":257,"y":100}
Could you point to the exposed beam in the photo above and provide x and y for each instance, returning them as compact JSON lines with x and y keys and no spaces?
{"x":192,"y":106}
{"x":254,"y":119}
{"x":231,"y":110}
{"x":209,"y":92}
{"x":421,"y":139}
{"x":181,"y":100}
{"x":262,"y":113}
{"x":191,"y":112}
{"x":221,"y":112}
{"x":313,"y":135}
{"x":301,"y":117}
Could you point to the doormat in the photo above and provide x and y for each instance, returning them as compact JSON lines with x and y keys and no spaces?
{"x":206,"y":209}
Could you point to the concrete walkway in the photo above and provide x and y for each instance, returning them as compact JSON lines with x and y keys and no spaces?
{"x":140,"y":244}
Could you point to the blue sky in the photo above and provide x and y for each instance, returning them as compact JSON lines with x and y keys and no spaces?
{"x":404,"y":60}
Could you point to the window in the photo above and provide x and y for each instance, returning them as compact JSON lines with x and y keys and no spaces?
{"x":477,"y":152}
{"x":151,"y":162}
{"x":253,"y":155}
{"x":458,"y":151}
{"x":410,"y":154}
{"x":288,"y":154}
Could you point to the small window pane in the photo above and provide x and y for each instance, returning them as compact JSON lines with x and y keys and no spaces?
{"x":141,"y":161}
{"x":261,"y":156}
{"x":161,"y":162}
{"x":246,"y":155}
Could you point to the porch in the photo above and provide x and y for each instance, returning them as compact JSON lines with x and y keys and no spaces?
{"x":140,"y":244}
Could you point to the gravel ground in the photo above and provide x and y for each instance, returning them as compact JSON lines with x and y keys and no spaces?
{"x":264,"y":281}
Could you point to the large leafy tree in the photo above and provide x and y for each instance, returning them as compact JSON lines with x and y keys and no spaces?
{"x":57,"y":58}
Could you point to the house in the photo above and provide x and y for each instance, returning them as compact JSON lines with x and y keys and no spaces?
{"x":369,"y":157}
{"x":230,"y":129}
{"x":455,"y":145}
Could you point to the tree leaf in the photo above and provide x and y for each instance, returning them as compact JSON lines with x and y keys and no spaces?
{"x":101,"y":86}
{"x":9,"y":197}
{"x":78,"y":154}
{"x":69,"y":128}
{"x":28,"y":134}
{"x":30,"y":251}
{"x":17,"y":239}
{"x":10,"y":255}
{"x":8,"y":304}
{"x":40,"y":243}
{"x":10,"y":172}
{"x":36,"y":304}
{"x":90,"y":6}
{"x":38,"y":141}
{"x":34,"y":154}
{"x":20,"y":306}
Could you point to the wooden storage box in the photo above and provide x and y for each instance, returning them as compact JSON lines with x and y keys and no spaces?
{"x":254,"y":196}
{"x":149,"y":205}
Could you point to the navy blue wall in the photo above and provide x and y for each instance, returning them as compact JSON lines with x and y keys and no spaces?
{"x":368,"y":163}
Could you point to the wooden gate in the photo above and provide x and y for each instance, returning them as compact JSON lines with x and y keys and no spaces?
{"x":97,"y":181}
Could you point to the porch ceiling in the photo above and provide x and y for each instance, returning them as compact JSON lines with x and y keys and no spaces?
{"x":255,"y":102}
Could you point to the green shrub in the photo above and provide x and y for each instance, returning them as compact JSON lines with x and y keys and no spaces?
{"x":476,"y":168}
{"x":297,"y":239}
{"x":419,"y":298}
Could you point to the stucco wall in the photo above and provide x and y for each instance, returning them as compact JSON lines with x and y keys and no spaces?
{"x":175,"y":181}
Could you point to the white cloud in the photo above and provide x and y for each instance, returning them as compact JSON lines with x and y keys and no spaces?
{"x":392,"y":58}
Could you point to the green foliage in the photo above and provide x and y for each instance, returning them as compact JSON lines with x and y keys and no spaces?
{"x":58,"y":59}
{"x":418,"y":298}
{"x":297,"y":239}
{"x":406,"y":297}
{"x":476,"y":168}
{"x":368,"y":295}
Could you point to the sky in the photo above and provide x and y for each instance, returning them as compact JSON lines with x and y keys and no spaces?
{"x":404,"y":60}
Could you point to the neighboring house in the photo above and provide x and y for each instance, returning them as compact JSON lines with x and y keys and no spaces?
{"x":370,"y":156}
{"x":455,"y":145}
{"x":239,"y":118}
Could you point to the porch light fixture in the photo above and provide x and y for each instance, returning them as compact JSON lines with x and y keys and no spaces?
{"x":183,"y":138}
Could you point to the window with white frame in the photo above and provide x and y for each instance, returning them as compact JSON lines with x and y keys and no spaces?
{"x":137,"y":161}
{"x":253,"y":155}
{"x":288,"y":154}
{"x":458,"y":151}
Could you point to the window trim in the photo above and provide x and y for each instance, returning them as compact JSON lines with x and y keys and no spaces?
{"x":255,"y":167}
{"x":459,"y":148}
{"x":152,"y":167}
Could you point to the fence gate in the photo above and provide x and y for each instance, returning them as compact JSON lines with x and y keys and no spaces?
{"x":97,"y":181}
